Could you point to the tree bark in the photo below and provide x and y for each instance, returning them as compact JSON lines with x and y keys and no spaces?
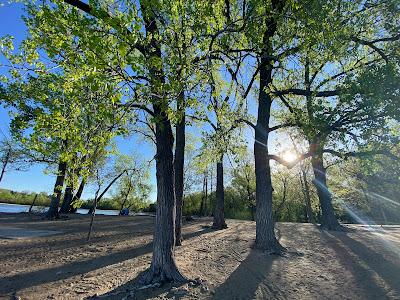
{"x":52,"y":212}
{"x":206,"y":194}
{"x":67,"y":199}
{"x":219,"y":218}
{"x":77,"y":196}
{"x":265,"y":225}
{"x":179,"y":162}
{"x":5,"y":163}
{"x":163,"y":267}
{"x":328,"y":219}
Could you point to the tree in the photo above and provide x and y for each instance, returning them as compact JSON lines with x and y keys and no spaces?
{"x":223,"y":139}
{"x":133,"y":188}
{"x":11,"y":156}
{"x":356,"y":105}
{"x":100,"y":181}
{"x":68,"y":132}
{"x":265,"y":235}
{"x":244,"y":183}
{"x":139,"y":49}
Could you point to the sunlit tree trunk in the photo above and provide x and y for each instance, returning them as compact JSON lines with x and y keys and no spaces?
{"x":52,"y":212}
{"x":77,"y":196}
{"x":163,"y":267}
{"x":69,"y":190}
{"x":179,"y":161}
{"x":265,"y":227}
{"x":206,"y":194}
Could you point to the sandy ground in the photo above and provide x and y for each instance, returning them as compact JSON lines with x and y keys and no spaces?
{"x":359,"y":264}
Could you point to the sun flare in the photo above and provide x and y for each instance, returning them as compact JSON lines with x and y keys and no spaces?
{"x":289,"y":156}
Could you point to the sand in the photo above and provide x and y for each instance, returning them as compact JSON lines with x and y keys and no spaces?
{"x":360,"y":264}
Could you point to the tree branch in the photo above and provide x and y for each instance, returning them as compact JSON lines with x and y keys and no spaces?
{"x":104,"y":16}
{"x":291,"y":164}
{"x":362,"y":153}
{"x":136,"y":105}
{"x":302,"y":92}
{"x":372,"y":45}
{"x":273,"y":128}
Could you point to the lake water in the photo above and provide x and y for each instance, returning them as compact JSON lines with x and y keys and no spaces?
{"x":18,"y":208}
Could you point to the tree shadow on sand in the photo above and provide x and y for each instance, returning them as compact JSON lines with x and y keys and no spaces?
{"x":12,"y":284}
{"x":19,"y":281}
{"x":365,"y":264}
{"x":242,"y":283}
{"x":134,"y":286}
{"x":245,"y":280}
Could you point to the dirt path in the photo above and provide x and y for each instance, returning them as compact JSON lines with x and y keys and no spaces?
{"x":319,"y":265}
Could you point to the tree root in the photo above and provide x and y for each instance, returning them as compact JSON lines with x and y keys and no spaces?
{"x":154,"y":277}
{"x":273,"y":248}
{"x":219,"y":226}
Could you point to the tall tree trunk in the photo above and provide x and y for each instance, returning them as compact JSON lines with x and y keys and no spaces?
{"x":77,"y":196}
{"x":5,"y":163}
{"x":328,"y":220}
{"x":179,"y":162}
{"x":67,"y":199}
{"x":206,"y":194}
{"x":52,"y":212}
{"x":219,"y":218}
{"x":163,"y":267}
{"x":265,"y":226}
{"x":307,"y":197}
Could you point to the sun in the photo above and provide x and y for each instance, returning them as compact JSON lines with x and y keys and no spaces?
{"x":289,"y":156}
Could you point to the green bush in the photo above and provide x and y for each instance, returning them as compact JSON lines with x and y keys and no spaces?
{"x":24,"y":198}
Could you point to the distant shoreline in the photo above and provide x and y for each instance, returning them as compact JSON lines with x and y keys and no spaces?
{"x":21,"y":208}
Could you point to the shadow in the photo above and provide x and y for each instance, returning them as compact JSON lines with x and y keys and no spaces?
{"x":75,"y":240}
{"x":364,"y":266}
{"x":25,"y":280}
{"x":188,"y":236}
{"x":16,"y":282}
{"x":389,"y":271}
{"x":245,"y":280}
{"x":134,"y":285}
